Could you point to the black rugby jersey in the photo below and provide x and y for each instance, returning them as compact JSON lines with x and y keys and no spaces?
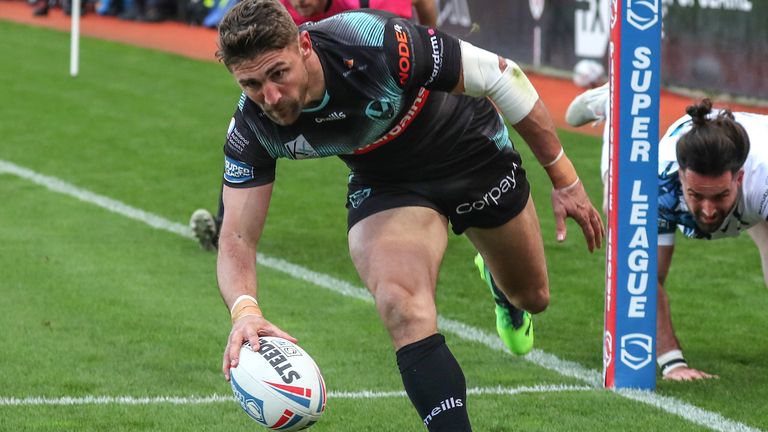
{"x":386,"y":112}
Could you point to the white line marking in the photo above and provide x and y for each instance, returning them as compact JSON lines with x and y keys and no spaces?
{"x":217,"y":398}
{"x":463,"y":331}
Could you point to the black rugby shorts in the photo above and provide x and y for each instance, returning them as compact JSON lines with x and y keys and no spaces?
{"x":485,"y":196}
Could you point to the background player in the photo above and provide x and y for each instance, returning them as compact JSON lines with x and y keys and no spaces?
{"x":711,"y":185}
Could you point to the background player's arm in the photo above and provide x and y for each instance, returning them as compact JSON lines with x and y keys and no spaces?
{"x":244,"y":218}
{"x":426,"y":11}
{"x":665,"y":339}
{"x":667,"y":345}
{"x":759,"y":234}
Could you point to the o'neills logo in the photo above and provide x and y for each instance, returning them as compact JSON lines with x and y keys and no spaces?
{"x":404,"y":54}
{"x":407,"y":119}
{"x":331,"y":117}
{"x":444,"y":406}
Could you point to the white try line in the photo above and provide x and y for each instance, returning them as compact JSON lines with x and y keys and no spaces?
{"x":461,"y":330}
{"x":217,"y":398}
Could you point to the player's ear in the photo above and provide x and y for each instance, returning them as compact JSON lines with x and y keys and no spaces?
{"x":305,"y":44}
{"x":740,"y":176}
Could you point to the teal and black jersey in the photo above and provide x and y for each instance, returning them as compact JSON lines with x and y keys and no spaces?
{"x":387,"y":110}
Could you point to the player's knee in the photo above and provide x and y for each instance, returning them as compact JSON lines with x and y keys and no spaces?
{"x":535,"y":300}
{"x":401,"y":307}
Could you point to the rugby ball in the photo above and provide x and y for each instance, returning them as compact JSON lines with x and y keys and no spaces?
{"x":279,"y":386}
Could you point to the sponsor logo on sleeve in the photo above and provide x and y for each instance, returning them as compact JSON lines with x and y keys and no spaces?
{"x":236,"y":171}
{"x":403,"y":53}
{"x":437,"y":55}
{"x":234,"y":138}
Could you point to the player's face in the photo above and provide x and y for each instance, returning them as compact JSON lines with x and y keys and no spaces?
{"x":277,"y":81}
{"x":307,"y":8}
{"x":710,"y":199}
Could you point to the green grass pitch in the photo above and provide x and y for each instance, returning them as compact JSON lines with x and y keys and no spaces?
{"x":96,"y":304}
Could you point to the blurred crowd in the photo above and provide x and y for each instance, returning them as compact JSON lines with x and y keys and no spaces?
{"x":208,"y":13}
{"x":191,"y":11}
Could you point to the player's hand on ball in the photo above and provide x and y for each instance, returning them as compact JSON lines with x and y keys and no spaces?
{"x":248,"y":329}
{"x":687,"y":374}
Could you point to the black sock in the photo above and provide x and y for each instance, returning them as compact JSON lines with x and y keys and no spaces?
{"x":435,"y":384}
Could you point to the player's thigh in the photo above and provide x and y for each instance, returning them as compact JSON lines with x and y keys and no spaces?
{"x":514,"y":253}
{"x":403,"y":243}
{"x":397,"y":253}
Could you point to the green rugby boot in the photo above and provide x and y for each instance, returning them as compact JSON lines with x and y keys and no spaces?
{"x":515,"y":326}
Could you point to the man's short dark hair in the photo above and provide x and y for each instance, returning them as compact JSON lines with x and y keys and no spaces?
{"x":253,"y":27}
{"x":713,"y":145}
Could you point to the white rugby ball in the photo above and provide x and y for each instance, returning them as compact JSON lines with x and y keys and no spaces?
{"x":279,"y":386}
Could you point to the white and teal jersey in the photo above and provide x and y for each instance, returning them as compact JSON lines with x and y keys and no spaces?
{"x":752,"y":205}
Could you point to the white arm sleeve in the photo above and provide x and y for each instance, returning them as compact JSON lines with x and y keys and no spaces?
{"x":510,"y":89}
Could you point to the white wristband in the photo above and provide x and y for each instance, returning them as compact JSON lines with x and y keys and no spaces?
{"x":570,"y":186}
{"x":557,"y":158}
{"x":241,"y":298}
{"x":670,"y":361}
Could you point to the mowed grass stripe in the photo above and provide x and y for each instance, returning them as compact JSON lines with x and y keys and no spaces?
{"x":687,"y":411}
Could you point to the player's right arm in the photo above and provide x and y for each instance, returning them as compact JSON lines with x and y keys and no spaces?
{"x":244,"y":217}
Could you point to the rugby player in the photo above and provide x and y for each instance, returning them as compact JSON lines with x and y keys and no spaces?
{"x":712,"y":184}
{"x":408,"y":109}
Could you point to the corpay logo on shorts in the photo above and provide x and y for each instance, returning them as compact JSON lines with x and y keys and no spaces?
{"x":642,"y":14}
{"x":491,"y":197}
{"x":642,"y":346}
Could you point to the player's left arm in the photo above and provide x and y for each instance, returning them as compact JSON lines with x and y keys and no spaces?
{"x":484,"y":74}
